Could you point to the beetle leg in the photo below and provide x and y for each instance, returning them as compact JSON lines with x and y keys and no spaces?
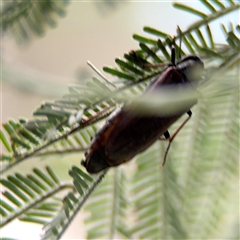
{"x":166,"y":136}
{"x":170,"y":139}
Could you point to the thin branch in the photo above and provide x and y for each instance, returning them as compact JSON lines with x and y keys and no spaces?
{"x":42,"y":198}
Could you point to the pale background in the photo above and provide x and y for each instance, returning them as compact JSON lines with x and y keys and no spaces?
{"x":42,"y":69}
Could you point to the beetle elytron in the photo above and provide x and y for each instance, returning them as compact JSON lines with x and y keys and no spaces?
{"x":127,"y":133}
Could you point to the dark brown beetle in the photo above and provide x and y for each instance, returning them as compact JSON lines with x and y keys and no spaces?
{"x":127,"y":133}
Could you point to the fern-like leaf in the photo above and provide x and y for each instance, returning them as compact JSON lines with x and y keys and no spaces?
{"x":194,"y":40}
{"x":25,"y":18}
{"x":202,"y":161}
{"x":72,"y":203}
{"x":59,"y":131}
{"x":31,"y":198}
{"x":156,"y":197}
{"x":199,"y":175}
{"x":107,"y":208}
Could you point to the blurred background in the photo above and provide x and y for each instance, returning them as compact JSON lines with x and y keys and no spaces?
{"x":42,"y":68}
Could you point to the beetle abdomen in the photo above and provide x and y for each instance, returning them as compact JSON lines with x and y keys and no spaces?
{"x":133,"y":134}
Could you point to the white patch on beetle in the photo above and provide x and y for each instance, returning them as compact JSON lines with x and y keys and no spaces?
{"x":75,"y":118}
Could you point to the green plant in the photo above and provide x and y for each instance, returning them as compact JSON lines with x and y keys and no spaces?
{"x":26,"y":18}
{"x":189,"y":198}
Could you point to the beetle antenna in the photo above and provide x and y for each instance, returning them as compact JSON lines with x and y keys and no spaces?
{"x":173,"y":52}
{"x":99,"y":73}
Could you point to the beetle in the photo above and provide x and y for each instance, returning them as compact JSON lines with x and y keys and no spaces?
{"x":127,"y":133}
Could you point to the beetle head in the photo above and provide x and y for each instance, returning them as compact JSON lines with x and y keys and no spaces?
{"x":94,"y":162}
{"x":191,"y":66}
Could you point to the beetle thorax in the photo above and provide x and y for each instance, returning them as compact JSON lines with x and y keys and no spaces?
{"x":191,"y":66}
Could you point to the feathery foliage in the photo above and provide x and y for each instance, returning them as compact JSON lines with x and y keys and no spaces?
{"x":72,"y":203}
{"x":25,"y":18}
{"x":109,"y":219}
{"x":31,"y":198}
{"x":186,"y":199}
